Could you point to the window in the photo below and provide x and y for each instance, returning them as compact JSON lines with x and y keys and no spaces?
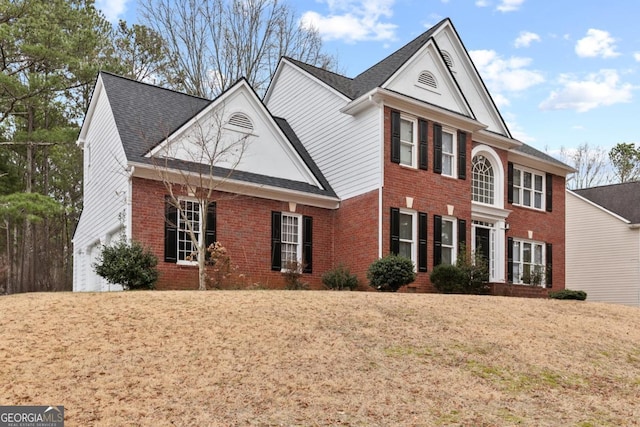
{"x":407,"y":142}
{"x":178,"y":246}
{"x":448,"y":242}
{"x":291,"y":241}
{"x":528,"y":263}
{"x":483,"y":181}
{"x":528,"y":188}
{"x":409,"y":236}
{"x":448,"y":154}
{"x":449,"y":234}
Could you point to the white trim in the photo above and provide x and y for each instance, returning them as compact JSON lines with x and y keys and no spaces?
{"x":414,"y":234}
{"x":454,"y":155}
{"x":498,"y":174}
{"x":298,"y":243}
{"x":533,"y":172}
{"x":414,"y":143}
{"x":454,"y":238}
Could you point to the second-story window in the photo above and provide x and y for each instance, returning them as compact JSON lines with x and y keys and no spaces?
{"x":528,"y":188}
{"x":448,"y":154}
{"x":407,"y":141}
{"x":483,"y":182}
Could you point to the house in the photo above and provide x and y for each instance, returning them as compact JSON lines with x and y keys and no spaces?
{"x":603,"y":242}
{"x":410,"y":157}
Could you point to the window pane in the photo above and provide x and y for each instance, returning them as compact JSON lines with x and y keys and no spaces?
{"x":447,"y":232}
{"x":447,"y":165}
{"x":516,"y":196}
{"x":405,"y":250}
{"x":526,"y":252}
{"x":526,"y":199}
{"x":446,"y":255}
{"x":516,"y":177}
{"x":406,"y":130}
{"x":406,"y":226}
{"x":527,"y":180}
{"x":537,"y":256}
{"x":516,"y":251}
{"x":538,"y":200}
{"x":516,"y":273}
{"x":447,"y":143}
{"x":406,"y":154}
{"x":538,"y":179}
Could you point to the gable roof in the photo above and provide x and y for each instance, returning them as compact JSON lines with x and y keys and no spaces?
{"x":534,"y":152}
{"x":146,"y":115}
{"x":621,"y":199}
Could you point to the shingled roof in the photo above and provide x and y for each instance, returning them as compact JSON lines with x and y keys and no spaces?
{"x":621,"y":199}
{"x":146,"y":114}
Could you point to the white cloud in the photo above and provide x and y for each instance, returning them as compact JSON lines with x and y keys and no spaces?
{"x":516,"y":130}
{"x":500,"y":100}
{"x":112,"y":9}
{"x":596,"y":43}
{"x":500,"y":74}
{"x":636,"y":56}
{"x":353,"y":20}
{"x":509,"y":5}
{"x":596,"y":90}
{"x":526,"y":38}
{"x":482,"y":3}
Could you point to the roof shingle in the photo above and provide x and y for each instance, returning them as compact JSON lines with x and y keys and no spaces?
{"x":621,"y":199}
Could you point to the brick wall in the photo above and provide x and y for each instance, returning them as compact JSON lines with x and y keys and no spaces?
{"x":243,"y":228}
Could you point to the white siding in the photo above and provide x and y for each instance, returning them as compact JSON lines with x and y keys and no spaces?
{"x":105,"y":193}
{"x":602,"y":254}
{"x":346,"y":148}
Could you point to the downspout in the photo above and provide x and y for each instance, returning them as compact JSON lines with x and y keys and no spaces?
{"x":375,"y":102}
{"x":129,"y":205}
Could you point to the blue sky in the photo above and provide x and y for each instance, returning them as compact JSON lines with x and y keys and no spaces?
{"x":561,"y":72}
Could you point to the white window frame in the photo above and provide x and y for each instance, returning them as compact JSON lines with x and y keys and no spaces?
{"x":414,"y":234}
{"x":519,"y":262}
{"x":412,"y":144}
{"x":492,"y":245}
{"x":486,"y":191}
{"x":183,"y":232}
{"x":453,"y":155}
{"x":519,"y":190}
{"x":285,"y":242}
{"x":454,"y":239}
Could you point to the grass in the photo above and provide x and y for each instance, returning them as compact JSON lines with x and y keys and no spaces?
{"x":283,"y":358}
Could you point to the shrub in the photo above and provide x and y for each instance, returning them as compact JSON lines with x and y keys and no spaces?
{"x":340,"y":278}
{"x":448,"y":279}
{"x":475,"y":270}
{"x":568,"y":294}
{"x":388,"y":274}
{"x":292,"y":275}
{"x":128,"y":264}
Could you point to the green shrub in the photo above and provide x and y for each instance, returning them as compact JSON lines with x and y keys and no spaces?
{"x":128,"y":264}
{"x":388,"y":274}
{"x":448,"y":279}
{"x":568,"y":294}
{"x":340,"y":278}
{"x":475,"y":269}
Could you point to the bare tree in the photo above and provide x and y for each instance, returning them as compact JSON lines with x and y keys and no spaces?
{"x":197,"y":163}
{"x":217,"y":42}
{"x":591,"y":165}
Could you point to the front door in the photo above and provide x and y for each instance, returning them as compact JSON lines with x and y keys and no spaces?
{"x":482,"y":247}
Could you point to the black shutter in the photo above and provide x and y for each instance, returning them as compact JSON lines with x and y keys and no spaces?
{"x":549,"y":272}
{"x":510,"y":182}
{"x":423,"y":151}
{"x":395,"y":231}
{"x":395,"y":137}
{"x":437,"y":148}
{"x":170,"y":231}
{"x":462,"y":234}
{"x":549,"y":195}
{"x":462,"y":155}
{"x":437,"y":240}
{"x":307,"y":244}
{"x":510,"y":259}
{"x":422,"y":241}
{"x":276,"y":240}
{"x":210,"y":233}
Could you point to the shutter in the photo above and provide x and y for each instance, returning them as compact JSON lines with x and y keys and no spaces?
{"x":422,"y":241}
{"x":395,"y":137}
{"x":276,"y":240}
{"x":307,"y":244}
{"x":510,"y":259}
{"x":437,"y":148}
{"x":510,"y":182}
{"x":423,"y":153}
{"x":462,"y":155}
{"x":395,"y":231}
{"x":170,"y":231}
{"x":549,"y":259}
{"x":462,"y":233}
{"x":210,"y":232}
{"x":437,"y":240}
{"x":549,"y":192}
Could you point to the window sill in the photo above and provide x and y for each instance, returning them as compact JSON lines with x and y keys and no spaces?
{"x":528,"y":207}
{"x":407,"y":167}
{"x":187,"y":264}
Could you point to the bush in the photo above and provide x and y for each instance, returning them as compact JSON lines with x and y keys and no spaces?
{"x":128,"y":264}
{"x":476,"y":272}
{"x":568,"y":294}
{"x":340,"y":278}
{"x":448,"y":279}
{"x":388,"y":274}
{"x":292,"y":275}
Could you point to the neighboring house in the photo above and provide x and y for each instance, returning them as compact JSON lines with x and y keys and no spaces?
{"x":411,"y":157}
{"x":603,"y":242}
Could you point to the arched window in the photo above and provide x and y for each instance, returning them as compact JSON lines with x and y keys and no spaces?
{"x":483,"y":181}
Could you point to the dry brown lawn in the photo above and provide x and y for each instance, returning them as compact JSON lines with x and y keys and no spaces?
{"x":305,"y":358}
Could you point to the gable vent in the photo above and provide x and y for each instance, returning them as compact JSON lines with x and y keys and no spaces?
{"x":427,"y":79}
{"x":242,"y":121}
{"x":447,"y":59}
